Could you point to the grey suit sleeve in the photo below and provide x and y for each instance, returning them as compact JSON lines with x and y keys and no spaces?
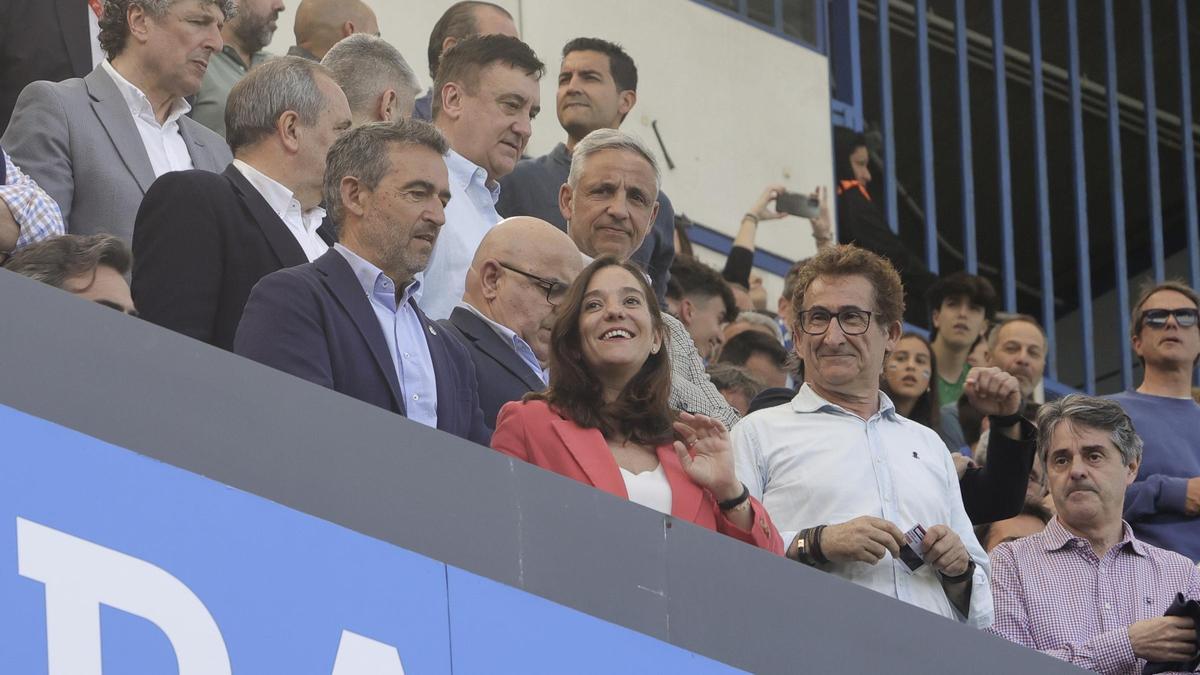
{"x":691,"y":388}
{"x":39,"y":141}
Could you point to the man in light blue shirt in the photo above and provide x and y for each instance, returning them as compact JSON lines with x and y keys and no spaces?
{"x":521,"y":272}
{"x":348,"y":321}
{"x":843,"y":474}
{"x":488,"y":97}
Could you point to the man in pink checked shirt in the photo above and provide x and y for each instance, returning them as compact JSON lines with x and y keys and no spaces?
{"x":1085,"y":590}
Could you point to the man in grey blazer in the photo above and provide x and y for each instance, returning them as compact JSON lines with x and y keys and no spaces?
{"x":96,"y":143}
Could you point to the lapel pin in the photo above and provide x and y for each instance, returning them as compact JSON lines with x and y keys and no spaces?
{"x":432,"y":331}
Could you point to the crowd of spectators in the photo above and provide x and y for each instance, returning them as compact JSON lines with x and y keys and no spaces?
{"x":317,"y":213}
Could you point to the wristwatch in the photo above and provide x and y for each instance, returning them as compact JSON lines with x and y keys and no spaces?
{"x":960,"y":577}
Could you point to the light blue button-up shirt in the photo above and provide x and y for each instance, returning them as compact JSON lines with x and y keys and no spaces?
{"x":812,"y":462}
{"x":470,"y":215}
{"x":404,"y":334}
{"x":510,"y":337}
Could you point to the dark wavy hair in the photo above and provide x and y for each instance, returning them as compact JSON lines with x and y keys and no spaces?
{"x":927,"y":411}
{"x":642,"y":413}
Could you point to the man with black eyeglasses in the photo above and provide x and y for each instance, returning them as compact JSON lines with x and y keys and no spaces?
{"x":521,"y":272}
{"x":1163,"y":504}
{"x":844,"y":475}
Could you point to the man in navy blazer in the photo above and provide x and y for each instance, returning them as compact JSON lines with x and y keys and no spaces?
{"x":349,"y":320}
{"x":521,"y":271}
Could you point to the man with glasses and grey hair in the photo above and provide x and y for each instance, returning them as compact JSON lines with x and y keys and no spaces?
{"x":521,"y":272}
{"x":609,"y":202}
{"x":1085,"y":589}
{"x":858,"y":490}
{"x":95,"y":144}
{"x":377,"y":81}
{"x":1163,"y":504}
{"x":202,"y":240}
{"x":349,"y":321}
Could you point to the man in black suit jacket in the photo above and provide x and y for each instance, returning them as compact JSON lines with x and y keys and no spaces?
{"x":41,"y":40}
{"x":349,"y":321}
{"x":520,"y":273}
{"x":202,"y":240}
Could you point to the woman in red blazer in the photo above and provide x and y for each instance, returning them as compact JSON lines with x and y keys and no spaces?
{"x":605,"y":420}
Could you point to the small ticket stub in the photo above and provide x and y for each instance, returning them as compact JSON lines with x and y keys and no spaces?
{"x":910,"y":553}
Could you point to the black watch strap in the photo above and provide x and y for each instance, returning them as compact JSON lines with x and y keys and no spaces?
{"x":1004,"y":421}
{"x":961,"y":577}
{"x":736,"y":501}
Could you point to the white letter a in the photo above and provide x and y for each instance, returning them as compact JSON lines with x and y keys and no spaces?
{"x":358,"y":655}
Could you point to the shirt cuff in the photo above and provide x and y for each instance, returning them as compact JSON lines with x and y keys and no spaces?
{"x":1114,"y":651}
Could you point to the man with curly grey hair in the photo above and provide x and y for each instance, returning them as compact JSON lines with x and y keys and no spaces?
{"x":96,"y":143}
{"x":1085,"y":589}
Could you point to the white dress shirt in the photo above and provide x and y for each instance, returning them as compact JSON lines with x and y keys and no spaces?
{"x":163,"y":142}
{"x":812,"y":462}
{"x":470,"y":215}
{"x":302,"y":224}
{"x":651,"y":489}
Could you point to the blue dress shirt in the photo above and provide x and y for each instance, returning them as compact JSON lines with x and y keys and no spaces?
{"x":404,"y":334}
{"x":510,"y":337}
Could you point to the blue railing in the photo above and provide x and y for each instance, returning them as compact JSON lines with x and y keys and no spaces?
{"x":1070,"y":87}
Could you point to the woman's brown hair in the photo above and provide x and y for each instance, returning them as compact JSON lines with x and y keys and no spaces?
{"x":642,"y":413}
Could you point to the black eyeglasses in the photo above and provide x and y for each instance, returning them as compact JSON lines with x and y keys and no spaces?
{"x":555,"y":290}
{"x":852,"y":321}
{"x":1157,"y":318}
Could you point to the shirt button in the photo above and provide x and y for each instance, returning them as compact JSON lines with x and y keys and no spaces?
{"x":407,"y":355}
{"x":1108,"y":605}
{"x":416,"y":397}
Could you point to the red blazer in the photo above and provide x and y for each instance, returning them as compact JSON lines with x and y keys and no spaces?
{"x":531,"y":431}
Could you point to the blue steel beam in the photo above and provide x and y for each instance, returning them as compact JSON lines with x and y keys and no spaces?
{"x":1042,"y":187}
{"x":970,"y":252}
{"x":885,"y":99}
{"x":1189,"y":150}
{"x":929,"y":198}
{"x":1151,"y":110}
{"x":855,"y":64}
{"x":1082,"y":248}
{"x":1117,"y":191}
{"x":1007,"y":252}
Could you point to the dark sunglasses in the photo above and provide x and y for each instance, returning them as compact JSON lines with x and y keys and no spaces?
{"x":1186,"y":317}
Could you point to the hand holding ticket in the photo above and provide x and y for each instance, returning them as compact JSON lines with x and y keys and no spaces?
{"x":911,"y":552}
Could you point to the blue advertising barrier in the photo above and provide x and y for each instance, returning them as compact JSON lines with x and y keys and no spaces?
{"x":169,"y":565}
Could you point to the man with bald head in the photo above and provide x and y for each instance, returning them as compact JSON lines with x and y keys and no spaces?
{"x":520,"y":273}
{"x":321,"y":24}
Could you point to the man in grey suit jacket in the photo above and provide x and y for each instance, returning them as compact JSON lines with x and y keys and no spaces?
{"x":521,"y":271}
{"x":96,"y":143}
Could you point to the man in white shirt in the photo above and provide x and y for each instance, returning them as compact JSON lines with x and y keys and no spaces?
{"x":842,"y":473}
{"x":486,"y":99}
{"x":96,"y":144}
{"x":203,"y":240}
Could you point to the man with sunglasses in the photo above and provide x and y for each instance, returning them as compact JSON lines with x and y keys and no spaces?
{"x":1163,"y":504}
{"x":520,"y":273}
{"x":845,"y":475}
